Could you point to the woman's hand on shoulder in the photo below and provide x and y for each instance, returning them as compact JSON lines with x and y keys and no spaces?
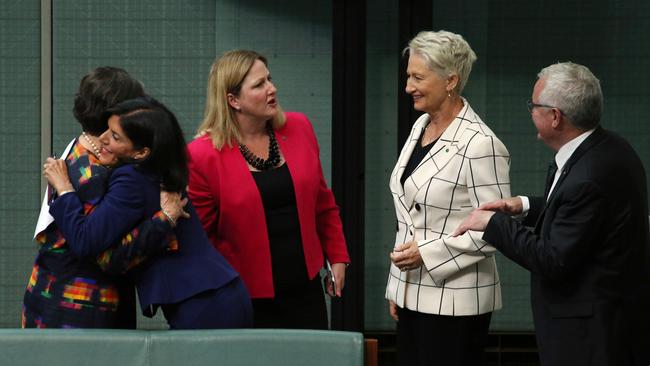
{"x":56,"y":173}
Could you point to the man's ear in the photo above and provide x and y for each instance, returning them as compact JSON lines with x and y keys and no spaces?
{"x":141,"y":154}
{"x":557,"y":118}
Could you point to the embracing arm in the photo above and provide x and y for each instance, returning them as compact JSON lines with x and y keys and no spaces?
{"x":487,"y":176}
{"x":152,"y":237}
{"x":119,"y":211}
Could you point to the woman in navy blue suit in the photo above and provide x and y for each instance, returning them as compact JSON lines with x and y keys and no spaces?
{"x":194,"y":285}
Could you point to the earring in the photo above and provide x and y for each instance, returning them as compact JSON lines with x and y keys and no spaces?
{"x":448,"y":94}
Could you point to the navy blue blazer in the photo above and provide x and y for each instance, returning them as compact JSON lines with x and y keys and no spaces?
{"x":132,"y":197}
{"x":588,"y":257}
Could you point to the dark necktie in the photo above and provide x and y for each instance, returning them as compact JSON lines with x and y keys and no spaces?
{"x":550,"y":177}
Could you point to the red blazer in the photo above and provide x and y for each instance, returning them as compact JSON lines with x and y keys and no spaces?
{"x":230,"y":207}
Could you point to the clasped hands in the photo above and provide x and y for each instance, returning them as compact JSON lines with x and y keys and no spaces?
{"x":406,"y":256}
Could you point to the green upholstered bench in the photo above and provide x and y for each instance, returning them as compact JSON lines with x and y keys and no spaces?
{"x":99,"y":347}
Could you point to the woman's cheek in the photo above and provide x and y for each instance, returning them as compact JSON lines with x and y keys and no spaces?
{"x":107,"y":159}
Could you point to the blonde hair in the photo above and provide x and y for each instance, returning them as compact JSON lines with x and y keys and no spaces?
{"x":226,"y":76}
{"x":446,"y":53}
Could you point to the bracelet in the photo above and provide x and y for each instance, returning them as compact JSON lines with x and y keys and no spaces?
{"x":168,"y":216}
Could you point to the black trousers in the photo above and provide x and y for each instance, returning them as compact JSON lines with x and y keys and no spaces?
{"x":428,"y":339}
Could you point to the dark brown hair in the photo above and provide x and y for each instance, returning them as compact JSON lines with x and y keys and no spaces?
{"x":99,"y":90}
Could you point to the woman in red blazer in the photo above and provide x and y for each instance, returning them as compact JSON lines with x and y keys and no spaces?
{"x":257,"y":184}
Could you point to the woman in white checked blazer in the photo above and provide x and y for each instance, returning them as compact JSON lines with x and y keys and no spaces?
{"x":442,"y":290}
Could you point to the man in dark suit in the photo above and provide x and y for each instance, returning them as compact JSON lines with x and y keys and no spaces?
{"x":587,"y":250}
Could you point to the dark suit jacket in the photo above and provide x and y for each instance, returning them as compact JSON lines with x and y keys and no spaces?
{"x":588,"y":257}
{"x":133,"y":196}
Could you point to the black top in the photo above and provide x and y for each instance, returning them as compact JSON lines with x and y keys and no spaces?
{"x":419,"y":152}
{"x":283,"y":228}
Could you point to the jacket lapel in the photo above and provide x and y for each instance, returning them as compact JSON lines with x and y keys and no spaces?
{"x":591,"y":141}
{"x":448,"y":145}
{"x":585,"y":146}
{"x":395,"y":186}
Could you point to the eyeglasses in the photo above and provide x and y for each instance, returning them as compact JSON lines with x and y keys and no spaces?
{"x":531,"y":106}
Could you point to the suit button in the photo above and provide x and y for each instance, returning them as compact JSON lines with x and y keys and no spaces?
{"x":417,"y":207}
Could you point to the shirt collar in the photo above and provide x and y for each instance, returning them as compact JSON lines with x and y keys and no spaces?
{"x":569,"y":148}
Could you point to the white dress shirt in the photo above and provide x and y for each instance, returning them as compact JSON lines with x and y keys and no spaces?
{"x":563,"y":155}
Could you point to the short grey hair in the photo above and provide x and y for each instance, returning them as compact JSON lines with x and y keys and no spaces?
{"x":446,"y":53}
{"x":575,"y":90}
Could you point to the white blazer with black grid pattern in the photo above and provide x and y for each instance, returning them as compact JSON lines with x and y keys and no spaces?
{"x":466,"y":167}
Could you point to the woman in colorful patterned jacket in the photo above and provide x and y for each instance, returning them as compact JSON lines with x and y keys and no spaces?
{"x":195,"y":286}
{"x":68,"y":287}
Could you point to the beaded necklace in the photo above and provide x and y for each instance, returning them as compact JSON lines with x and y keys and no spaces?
{"x":259,"y":163}
{"x":98,"y":154}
